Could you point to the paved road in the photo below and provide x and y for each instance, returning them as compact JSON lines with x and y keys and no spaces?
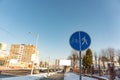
{"x":13,"y":73}
{"x":58,"y":76}
{"x":18,"y":72}
{"x":5,"y":76}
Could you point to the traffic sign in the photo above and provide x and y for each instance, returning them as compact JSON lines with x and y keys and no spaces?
{"x":80,"y":40}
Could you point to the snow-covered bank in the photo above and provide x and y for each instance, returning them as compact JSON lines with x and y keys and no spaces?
{"x":72,"y":76}
{"x":22,"y":78}
{"x":29,"y":77}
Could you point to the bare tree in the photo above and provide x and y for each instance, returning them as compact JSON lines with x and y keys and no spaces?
{"x":96,"y":57}
{"x":99,"y":65}
{"x":41,"y":64}
{"x":45,"y":64}
{"x":118,"y":60}
{"x":118,"y":53}
{"x":74,"y":58}
{"x":110,"y":52}
{"x":104,"y":57}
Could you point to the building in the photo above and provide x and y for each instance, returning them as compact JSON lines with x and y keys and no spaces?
{"x":3,"y":46}
{"x":3,"y":53}
{"x":21,"y":54}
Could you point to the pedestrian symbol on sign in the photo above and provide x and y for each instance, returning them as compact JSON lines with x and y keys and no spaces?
{"x":80,"y":41}
{"x":84,"y":41}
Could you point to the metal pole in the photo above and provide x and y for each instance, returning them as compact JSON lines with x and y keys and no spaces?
{"x":48,"y":64}
{"x":36,"y":40}
{"x":32,"y":67}
{"x":80,"y":68}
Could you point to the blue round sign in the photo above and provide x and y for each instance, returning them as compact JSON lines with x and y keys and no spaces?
{"x":80,"y":40}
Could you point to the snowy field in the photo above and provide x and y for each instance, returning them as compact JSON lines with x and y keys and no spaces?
{"x":72,"y":76}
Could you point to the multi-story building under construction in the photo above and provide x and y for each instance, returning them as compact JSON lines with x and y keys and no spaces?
{"x":21,"y":54}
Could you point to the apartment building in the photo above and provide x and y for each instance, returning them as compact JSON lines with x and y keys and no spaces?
{"x":21,"y":54}
{"x":3,"y":53}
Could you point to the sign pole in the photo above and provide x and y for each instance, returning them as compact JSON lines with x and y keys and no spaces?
{"x":80,"y":41}
{"x":80,"y":68}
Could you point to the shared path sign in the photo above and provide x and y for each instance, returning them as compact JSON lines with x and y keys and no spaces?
{"x":80,"y":41}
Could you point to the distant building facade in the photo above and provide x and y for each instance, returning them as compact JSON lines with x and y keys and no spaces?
{"x":3,"y":53}
{"x":21,"y":54}
{"x":3,"y":46}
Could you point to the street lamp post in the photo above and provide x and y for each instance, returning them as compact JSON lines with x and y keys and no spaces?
{"x":36,"y":42}
{"x":48,"y":64}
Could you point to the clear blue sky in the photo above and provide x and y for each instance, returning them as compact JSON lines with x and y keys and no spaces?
{"x":56,"y":20}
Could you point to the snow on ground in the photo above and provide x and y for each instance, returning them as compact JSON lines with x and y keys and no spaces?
{"x":106,"y":77}
{"x":117,"y":78}
{"x":72,"y":76}
{"x":29,"y":77}
{"x":22,"y":78}
{"x":67,"y":76}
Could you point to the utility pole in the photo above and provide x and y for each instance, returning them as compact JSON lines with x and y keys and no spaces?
{"x":48,"y":64}
{"x":36,"y":42}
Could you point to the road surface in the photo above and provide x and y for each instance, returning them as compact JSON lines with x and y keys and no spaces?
{"x":6,"y":76}
{"x":59,"y":76}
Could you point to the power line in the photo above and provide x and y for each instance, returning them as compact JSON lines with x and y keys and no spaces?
{"x":12,"y":35}
{"x":3,"y":29}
